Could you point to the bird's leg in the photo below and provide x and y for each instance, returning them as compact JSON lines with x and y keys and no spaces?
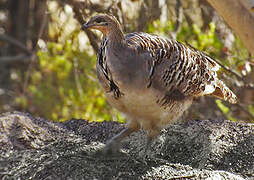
{"x":151,"y":136}
{"x":147,"y":146}
{"x":113,"y":144}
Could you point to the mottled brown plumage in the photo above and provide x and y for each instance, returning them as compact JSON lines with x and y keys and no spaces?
{"x":150,"y":79}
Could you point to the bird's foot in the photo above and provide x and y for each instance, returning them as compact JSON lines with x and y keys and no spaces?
{"x":112,"y":148}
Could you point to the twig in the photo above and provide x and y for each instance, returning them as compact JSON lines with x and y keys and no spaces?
{"x":246,"y":84}
{"x":182,"y":177}
{"x":178,"y":9}
{"x":15,"y":42}
{"x":77,"y":6}
{"x":230,"y":71}
{"x":249,"y":86}
{"x":77,"y":80}
{"x":149,"y":11}
{"x":242,"y":107}
{"x":21,"y":58}
{"x":34,"y":55}
{"x":91,"y":36}
{"x":93,"y":40}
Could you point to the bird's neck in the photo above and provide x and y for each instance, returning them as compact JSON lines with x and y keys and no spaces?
{"x":115,"y":37}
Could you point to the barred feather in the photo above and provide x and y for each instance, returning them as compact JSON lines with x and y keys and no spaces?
{"x":192,"y":72}
{"x":152,"y":79}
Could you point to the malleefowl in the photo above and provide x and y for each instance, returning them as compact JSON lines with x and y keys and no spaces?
{"x":152,"y":80}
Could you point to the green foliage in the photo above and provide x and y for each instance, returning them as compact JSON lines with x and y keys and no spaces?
{"x":63,"y":86}
{"x":194,"y":36}
{"x":251,"y":109}
{"x":225,"y":110}
{"x":208,"y":42}
{"x":158,"y":28}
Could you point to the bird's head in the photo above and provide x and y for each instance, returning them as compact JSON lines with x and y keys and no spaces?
{"x":103,"y":22}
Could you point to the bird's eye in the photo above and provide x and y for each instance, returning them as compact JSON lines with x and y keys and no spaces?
{"x":99,"y":20}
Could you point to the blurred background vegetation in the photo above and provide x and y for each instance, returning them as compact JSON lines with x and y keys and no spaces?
{"x":47,"y":64}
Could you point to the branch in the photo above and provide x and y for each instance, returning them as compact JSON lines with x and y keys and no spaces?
{"x":150,"y":11}
{"x":239,"y":18}
{"x":240,"y":78}
{"x":15,"y":42}
{"x":182,"y":177}
{"x":178,"y":9}
{"x":43,"y":24}
{"x":245,"y":110}
{"x":22,"y":58}
{"x":77,"y":6}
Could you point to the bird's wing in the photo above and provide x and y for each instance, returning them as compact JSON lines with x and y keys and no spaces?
{"x":178,"y":69}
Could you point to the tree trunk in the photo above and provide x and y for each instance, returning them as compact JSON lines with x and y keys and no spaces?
{"x":19,"y":40}
{"x":239,"y":18}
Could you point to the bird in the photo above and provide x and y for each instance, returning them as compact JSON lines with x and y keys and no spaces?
{"x":151,"y":79}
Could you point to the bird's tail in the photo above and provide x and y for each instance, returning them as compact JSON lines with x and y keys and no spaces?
{"x":223,"y":92}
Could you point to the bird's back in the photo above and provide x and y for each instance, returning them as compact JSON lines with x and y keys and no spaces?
{"x":179,"y":70}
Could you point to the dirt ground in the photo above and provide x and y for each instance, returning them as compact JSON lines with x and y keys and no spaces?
{"x":34,"y":148}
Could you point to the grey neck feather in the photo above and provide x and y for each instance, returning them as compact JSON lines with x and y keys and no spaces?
{"x":115,"y":35}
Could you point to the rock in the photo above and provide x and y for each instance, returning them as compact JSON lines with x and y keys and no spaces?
{"x":34,"y":148}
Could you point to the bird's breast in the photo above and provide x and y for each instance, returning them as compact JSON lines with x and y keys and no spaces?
{"x":130,"y":75}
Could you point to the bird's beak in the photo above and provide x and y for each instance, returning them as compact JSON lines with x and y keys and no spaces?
{"x":91,"y":25}
{"x":86,"y":26}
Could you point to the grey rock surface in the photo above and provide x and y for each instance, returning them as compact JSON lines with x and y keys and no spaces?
{"x":34,"y":148}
